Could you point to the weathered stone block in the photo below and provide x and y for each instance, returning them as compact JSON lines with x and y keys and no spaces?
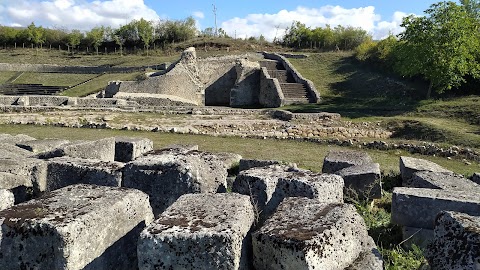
{"x":200,"y":231}
{"x":24,"y":176}
{"x":230,"y":159}
{"x":40,"y":146}
{"x":476,"y":178}
{"x":268,"y":186}
{"x":456,"y":242}
{"x":409,"y":166}
{"x":65,"y":171}
{"x":77,"y":227}
{"x":128,"y":148}
{"x":13,"y":139}
{"x":418,"y":207}
{"x":246,"y":164}
{"x":7,"y":199}
{"x":363,"y":181}
{"x":165,"y":176}
{"x":308,"y":234}
{"x":181,"y":147}
{"x":103,"y":150}
{"x":369,"y":259}
{"x":441,"y":180}
{"x":11,"y":151}
{"x":340,"y":159}
{"x":416,"y":236}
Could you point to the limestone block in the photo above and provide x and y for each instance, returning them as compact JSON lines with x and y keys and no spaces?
{"x":200,"y":231}
{"x":246,"y":164}
{"x":13,"y":139}
{"x":308,"y":234}
{"x":128,"y":148}
{"x":409,"y":165}
{"x":230,"y":159}
{"x":7,"y":199}
{"x":441,"y":180}
{"x":23,"y":176}
{"x":65,"y":171}
{"x":11,"y":151}
{"x":103,"y":149}
{"x":476,"y":178}
{"x":416,"y":236}
{"x":76,"y":227}
{"x":363,"y":181}
{"x":369,"y":259}
{"x":39,"y":146}
{"x":167,"y":175}
{"x":456,"y":244}
{"x":340,"y":159}
{"x":268,"y":186}
{"x":182,"y":147}
{"x":418,"y":207}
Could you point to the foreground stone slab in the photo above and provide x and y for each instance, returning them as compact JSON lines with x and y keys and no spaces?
{"x":128,"y":148}
{"x":77,"y":227}
{"x":307,"y":234}
{"x":409,"y":166}
{"x":456,"y":242}
{"x":65,"y":171}
{"x":268,"y":186}
{"x":40,"y":146}
{"x":7,"y":199}
{"x":13,"y":151}
{"x":442,"y":180}
{"x":199,"y":231}
{"x":416,"y":236}
{"x":13,"y":139}
{"x":24,"y":176}
{"x":230,"y":159}
{"x":166,"y":175}
{"x":476,"y":178}
{"x":363,"y":181}
{"x":369,"y":259}
{"x":246,"y":164}
{"x":103,"y":149}
{"x":340,"y":159}
{"x":418,"y":207}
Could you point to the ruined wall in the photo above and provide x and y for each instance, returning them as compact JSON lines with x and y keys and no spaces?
{"x":247,"y":87}
{"x":271,"y":95}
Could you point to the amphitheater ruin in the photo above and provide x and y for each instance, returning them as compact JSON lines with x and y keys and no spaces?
{"x":124,"y":203}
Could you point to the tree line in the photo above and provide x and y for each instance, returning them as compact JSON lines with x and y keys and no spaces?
{"x":441,"y":47}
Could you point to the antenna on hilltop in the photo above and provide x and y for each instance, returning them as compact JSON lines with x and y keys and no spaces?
{"x":215,"y":14}
{"x":276,"y":32}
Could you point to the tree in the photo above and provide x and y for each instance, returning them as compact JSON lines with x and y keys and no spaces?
{"x":95,"y":37}
{"x":472,"y":7}
{"x":442,"y":47}
{"x":145,"y":32}
{"x":74,"y":38}
{"x":36,"y":35}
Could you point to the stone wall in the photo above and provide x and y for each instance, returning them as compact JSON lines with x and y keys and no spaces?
{"x":296,"y":75}
{"x":247,"y":87}
{"x":69,"y":69}
{"x":271,"y":95}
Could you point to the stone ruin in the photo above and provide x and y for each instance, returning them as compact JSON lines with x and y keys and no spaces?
{"x":117,"y":203}
{"x":266,"y":80}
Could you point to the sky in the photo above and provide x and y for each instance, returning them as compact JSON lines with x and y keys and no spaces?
{"x":240,"y":18}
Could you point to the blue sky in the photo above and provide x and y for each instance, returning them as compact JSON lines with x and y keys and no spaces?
{"x":242,"y":18}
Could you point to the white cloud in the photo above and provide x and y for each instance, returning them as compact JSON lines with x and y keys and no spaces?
{"x":198,"y":14}
{"x":74,"y":14}
{"x":274,"y":25}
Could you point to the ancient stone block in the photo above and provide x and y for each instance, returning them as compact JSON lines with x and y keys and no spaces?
{"x":363,"y":181}
{"x":268,"y":186}
{"x":128,"y":148}
{"x":76,"y":227}
{"x":441,"y":180}
{"x":23,"y":176}
{"x":11,"y":151}
{"x":369,"y":259}
{"x":181,"y":147}
{"x":418,"y":207}
{"x":409,"y":166}
{"x":7,"y":199}
{"x":13,"y":139}
{"x":230,"y":159}
{"x":103,"y":150}
{"x":65,"y":171}
{"x":246,"y":164}
{"x":476,"y":178}
{"x":456,"y":243}
{"x":200,"y":231}
{"x":308,"y":234}
{"x":340,"y":159}
{"x":167,"y":175}
{"x":39,"y":146}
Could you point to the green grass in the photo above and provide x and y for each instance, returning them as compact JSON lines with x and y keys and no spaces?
{"x":53,"y":79}
{"x":6,"y":75}
{"x":98,"y":84}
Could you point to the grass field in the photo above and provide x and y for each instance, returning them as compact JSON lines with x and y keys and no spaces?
{"x":6,"y":75}
{"x":99,"y":83}
{"x":53,"y":79}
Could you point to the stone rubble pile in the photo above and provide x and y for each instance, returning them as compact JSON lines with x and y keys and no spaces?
{"x":116,"y":203}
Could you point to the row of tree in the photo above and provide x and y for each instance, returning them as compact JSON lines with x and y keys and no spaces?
{"x":441,"y":47}
{"x":326,"y":38}
{"x":136,"y":33}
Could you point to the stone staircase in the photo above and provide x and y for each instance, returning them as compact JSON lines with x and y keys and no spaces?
{"x":294,"y":93}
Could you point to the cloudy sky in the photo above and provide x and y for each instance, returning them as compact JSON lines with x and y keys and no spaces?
{"x":241,"y":18}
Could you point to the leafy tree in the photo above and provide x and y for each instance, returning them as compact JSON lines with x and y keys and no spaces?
{"x":8,"y":35}
{"x":36,"y":35}
{"x":145,"y":32}
{"x":442,"y":47}
{"x":74,"y":38}
{"x":472,"y":7}
{"x":95,"y":37}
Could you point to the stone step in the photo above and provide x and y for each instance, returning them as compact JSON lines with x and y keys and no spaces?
{"x":283,"y":76}
{"x":272,"y":65}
